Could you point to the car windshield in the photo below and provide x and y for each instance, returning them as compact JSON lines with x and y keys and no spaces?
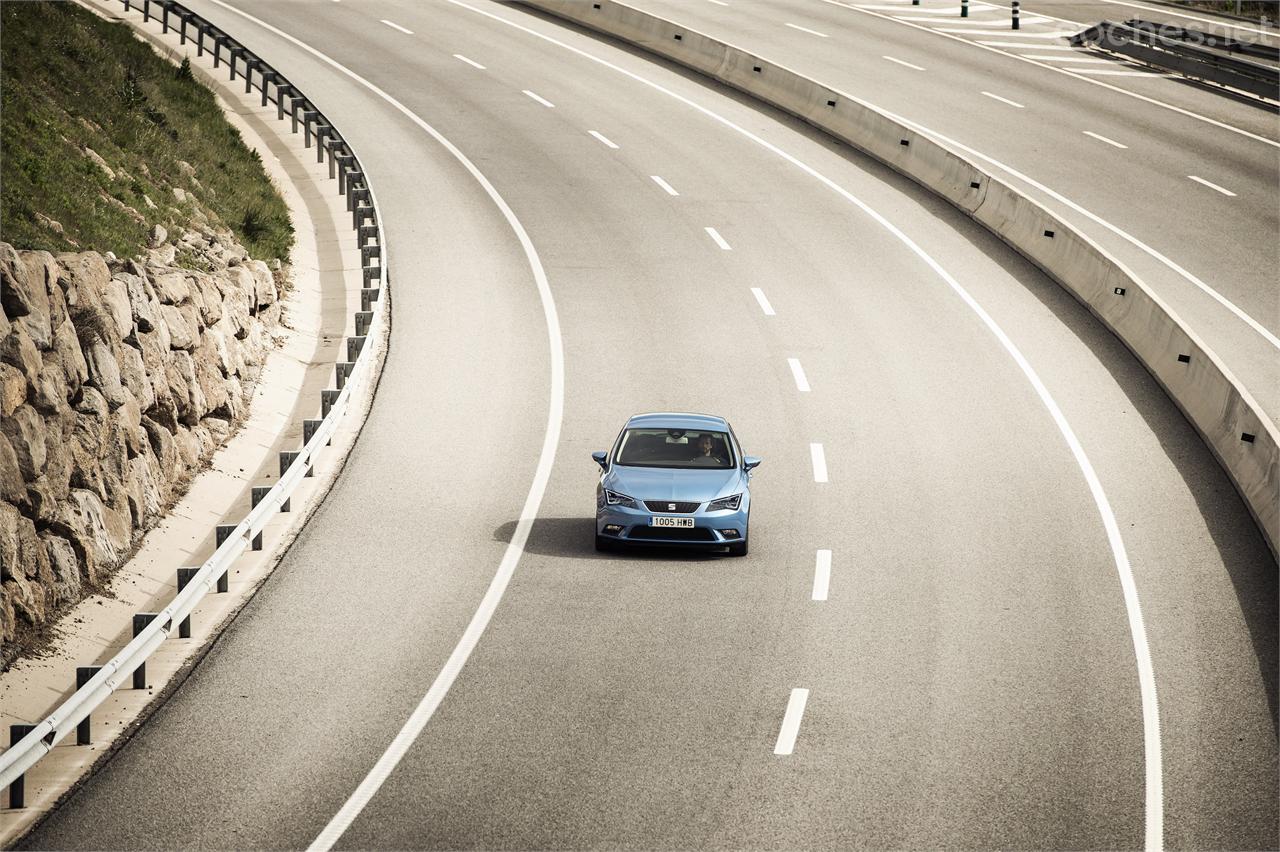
{"x":674,"y":448}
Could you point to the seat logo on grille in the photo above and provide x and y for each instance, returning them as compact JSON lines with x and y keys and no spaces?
{"x":671,"y":507}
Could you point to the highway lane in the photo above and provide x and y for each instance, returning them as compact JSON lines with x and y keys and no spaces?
{"x":972,"y":677}
{"x":1033,"y":119}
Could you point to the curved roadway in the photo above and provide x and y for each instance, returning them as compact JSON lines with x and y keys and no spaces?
{"x":972,"y":676}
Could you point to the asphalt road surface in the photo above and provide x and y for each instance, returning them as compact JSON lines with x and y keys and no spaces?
{"x":971,"y":674}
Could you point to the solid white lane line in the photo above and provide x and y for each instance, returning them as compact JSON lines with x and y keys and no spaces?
{"x":1107,"y":72}
{"x":822,"y":575}
{"x":1222,"y":300}
{"x":396,"y":26}
{"x":470,"y":62}
{"x":1004,"y":100}
{"x":662,"y":183}
{"x":946,"y":33}
{"x":1082,"y":60}
{"x":1165,"y":10}
{"x":528,"y":513}
{"x":807,"y":30}
{"x":791,"y":722}
{"x":1102,"y":138}
{"x":1026,"y":45}
{"x":539,"y":98}
{"x":1153,"y":802}
{"x":1214,"y":186}
{"x":901,"y":62}
{"x":764,"y":302}
{"x":797,"y":373}
{"x":602,"y":138}
{"x":819,"y":458}
{"x":715,"y":235}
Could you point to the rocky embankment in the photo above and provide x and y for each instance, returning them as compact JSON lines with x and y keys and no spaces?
{"x":118,"y":380}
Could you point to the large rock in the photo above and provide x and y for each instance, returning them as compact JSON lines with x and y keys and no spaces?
{"x":13,"y":488}
{"x":10,"y":564}
{"x":24,"y":292}
{"x":67,"y":344}
{"x":13,"y":389}
{"x":108,"y":532}
{"x":171,"y":285}
{"x":133,"y":374}
{"x":65,"y":568}
{"x":85,"y":279}
{"x":264,"y":283}
{"x":52,"y":391}
{"x":115,"y":299}
{"x":25,"y":431}
{"x":17,"y":350}
{"x":104,"y":371}
{"x":182,"y":334}
{"x":143,"y":308}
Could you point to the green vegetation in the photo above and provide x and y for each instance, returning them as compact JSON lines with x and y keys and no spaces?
{"x":71,"y":83}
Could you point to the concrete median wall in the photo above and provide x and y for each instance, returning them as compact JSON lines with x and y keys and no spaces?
{"x":1244,"y":440}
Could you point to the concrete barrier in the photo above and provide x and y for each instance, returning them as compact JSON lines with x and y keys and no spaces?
{"x":1245,"y":441}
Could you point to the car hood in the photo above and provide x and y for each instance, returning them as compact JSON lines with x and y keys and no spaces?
{"x":660,"y":483}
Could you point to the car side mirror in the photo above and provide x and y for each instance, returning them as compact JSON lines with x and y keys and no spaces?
{"x":751,"y":462}
{"x":601,"y":459}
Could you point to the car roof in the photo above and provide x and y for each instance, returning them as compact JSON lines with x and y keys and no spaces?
{"x":677,"y":420}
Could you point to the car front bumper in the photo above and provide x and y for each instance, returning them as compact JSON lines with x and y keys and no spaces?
{"x":710,"y":529}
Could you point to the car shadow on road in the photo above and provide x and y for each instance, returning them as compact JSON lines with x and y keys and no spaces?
{"x":575,"y":538}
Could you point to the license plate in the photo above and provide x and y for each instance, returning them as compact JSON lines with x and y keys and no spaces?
{"x":657,"y":521}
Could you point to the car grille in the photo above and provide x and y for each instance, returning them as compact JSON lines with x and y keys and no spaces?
{"x":673,"y":533}
{"x":671,"y":507}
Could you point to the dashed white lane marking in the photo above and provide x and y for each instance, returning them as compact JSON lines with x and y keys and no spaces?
{"x":715,"y":235}
{"x":809,"y":31}
{"x":396,"y":26}
{"x":1004,"y":100}
{"x":602,"y":138}
{"x":819,"y":457}
{"x":718,"y":2}
{"x":668,"y":188}
{"x":470,"y":62}
{"x":764,"y":302}
{"x":797,"y":373}
{"x":822,"y":575}
{"x":539,"y":98}
{"x":901,"y":62}
{"x":1213,"y":186}
{"x":791,"y":722}
{"x":1102,"y":138}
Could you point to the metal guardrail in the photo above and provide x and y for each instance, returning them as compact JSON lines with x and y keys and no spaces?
{"x":29,"y":743}
{"x":1147,"y":42}
{"x":1212,"y":40}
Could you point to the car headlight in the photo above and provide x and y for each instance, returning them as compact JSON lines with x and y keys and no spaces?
{"x":731,"y":503}
{"x":613,"y":498}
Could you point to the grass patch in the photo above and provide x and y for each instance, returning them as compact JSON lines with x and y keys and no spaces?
{"x":70,"y":81}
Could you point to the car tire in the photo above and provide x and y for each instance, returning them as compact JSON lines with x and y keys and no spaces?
{"x":740,"y":548}
{"x":603,"y":545}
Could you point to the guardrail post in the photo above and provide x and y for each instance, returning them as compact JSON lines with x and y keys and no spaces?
{"x":964,"y":8}
{"x":185,"y":576}
{"x":1016,"y":22}
{"x":327,"y":399}
{"x":257,"y":494}
{"x":287,"y":458}
{"x":199,"y":39}
{"x":275,"y":78}
{"x":354,"y":345}
{"x":250,"y":63}
{"x":84,"y":730}
{"x":294,"y":103}
{"x":368,"y":295}
{"x":364,"y":319}
{"x":222,"y":532}
{"x":308,"y":117}
{"x":18,"y":788}
{"x":342,"y":372}
{"x":366,"y":233}
{"x":322,"y":133}
{"x":146,"y":11}
{"x":182,"y":29}
{"x":355,"y":181}
{"x":309,"y":429}
{"x":140,"y":622}
{"x":346,"y":165}
{"x":164,"y":19}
